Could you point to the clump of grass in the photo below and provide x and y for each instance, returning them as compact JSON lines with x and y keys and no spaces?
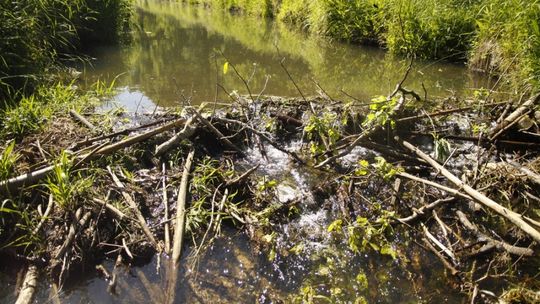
{"x":8,"y":159}
{"x":65,"y":184}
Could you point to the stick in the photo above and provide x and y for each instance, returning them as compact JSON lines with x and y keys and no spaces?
{"x":516,"y":250}
{"x":82,"y":120}
{"x":510,"y":215}
{"x":179,"y":230}
{"x":419,"y":212}
{"x":186,"y":132}
{"x":133,"y":206}
{"x":181,"y":210}
{"x":526,"y":106}
{"x":166,"y":206}
{"x":112,"y":209}
{"x":446,"y":264}
{"x":242,"y":177}
{"x":28,"y":289}
{"x":213,"y":129}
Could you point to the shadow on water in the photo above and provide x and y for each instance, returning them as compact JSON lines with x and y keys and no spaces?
{"x":174,"y":54}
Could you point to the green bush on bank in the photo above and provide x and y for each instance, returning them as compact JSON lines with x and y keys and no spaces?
{"x":37,"y":33}
{"x":497,"y":36}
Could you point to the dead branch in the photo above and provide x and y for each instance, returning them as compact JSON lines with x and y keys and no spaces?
{"x":82,"y":120}
{"x":181,"y":210}
{"x":424,"y":209}
{"x":186,"y":132}
{"x":446,"y":264}
{"x":133,"y":206}
{"x":514,"y":116}
{"x":242,"y":177}
{"x":516,"y":250}
{"x":510,"y":215}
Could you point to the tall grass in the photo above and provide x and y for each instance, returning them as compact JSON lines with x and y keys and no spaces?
{"x":37,"y":33}
{"x":497,"y":36}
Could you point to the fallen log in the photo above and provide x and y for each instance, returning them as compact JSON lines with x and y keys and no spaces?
{"x":515,"y":218}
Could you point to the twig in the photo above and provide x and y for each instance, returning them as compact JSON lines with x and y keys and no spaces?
{"x":82,"y":120}
{"x":516,"y":250}
{"x":510,"y":215}
{"x":424,"y":209}
{"x":133,"y":206}
{"x":186,"y":132}
{"x":166,"y":207}
{"x":181,"y":210}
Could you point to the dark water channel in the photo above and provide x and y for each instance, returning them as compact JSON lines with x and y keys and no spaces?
{"x":173,"y":54}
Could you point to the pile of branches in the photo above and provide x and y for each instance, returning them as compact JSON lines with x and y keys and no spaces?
{"x":473,"y":207}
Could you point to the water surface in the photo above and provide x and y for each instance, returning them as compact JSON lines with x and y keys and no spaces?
{"x":178,"y":55}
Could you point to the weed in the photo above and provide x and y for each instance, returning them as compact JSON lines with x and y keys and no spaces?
{"x":65,"y":184}
{"x":8,"y":159}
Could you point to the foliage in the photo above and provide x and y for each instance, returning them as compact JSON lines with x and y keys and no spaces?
{"x":36,"y":34}
{"x":323,"y":131}
{"x":8,"y":160}
{"x":66,"y":184}
{"x":380,"y":111}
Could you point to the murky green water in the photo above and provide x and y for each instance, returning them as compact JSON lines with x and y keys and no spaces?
{"x":176,"y":56}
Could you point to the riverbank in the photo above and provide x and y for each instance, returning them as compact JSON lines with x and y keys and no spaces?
{"x":497,"y":37}
{"x":39,"y":37}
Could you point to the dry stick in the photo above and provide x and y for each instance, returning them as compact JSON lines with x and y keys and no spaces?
{"x":181,"y":210}
{"x":111,"y":209}
{"x":509,"y":125}
{"x":21,"y":180}
{"x":516,"y":250}
{"x":179,"y":229}
{"x":78,"y":222}
{"x":435,"y":241}
{"x":446,"y":264}
{"x":510,"y":215}
{"x":28,"y":289}
{"x":45,"y":215}
{"x":166,"y":207}
{"x":422,"y":210}
{"x":82,"y":120}
{"x":526,"y":106}
{"x":242,"y":177}
{"x":433,"y":184}
{"x":213,"y":129}
{"x":186,"y":132}
{"x":133,"y":206}
{"x":533,"y":176}
{"x":122,"y":132}
{"x":444,"y":112}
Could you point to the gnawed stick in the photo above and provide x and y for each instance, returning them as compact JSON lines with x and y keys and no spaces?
{"x":82,"y":120}
{"x":515,"y":218}
{"x":218,"y":133}
{"x":179,"y":230}
{"x":510,"y":119}
{"x":111,"y":209}
{"x":435,"y":241}
{"x":516,"y":250}
{"x":186,"y":132}
{"x":133,"y":206}
{"x":422,"y":210}
{"x":28,"y":289}
{"x":446,"y":264}
{"x":242,"y":177}
{"x":181,"y":210}
{"x":167,"y":238}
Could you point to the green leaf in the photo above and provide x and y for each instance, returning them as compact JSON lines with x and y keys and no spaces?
{"x":387,"y":250}
{"x":335,"y":225}
{"x":225,"y":67}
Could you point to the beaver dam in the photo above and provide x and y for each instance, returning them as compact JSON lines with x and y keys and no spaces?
{"x":271,"y":200}
{"x":332,"y":196}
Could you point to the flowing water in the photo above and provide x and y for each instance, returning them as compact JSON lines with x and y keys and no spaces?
{"x":177,"y":56}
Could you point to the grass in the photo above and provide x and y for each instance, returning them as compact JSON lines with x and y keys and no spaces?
{"x":499,"y":37}
{"x":38,"y":34}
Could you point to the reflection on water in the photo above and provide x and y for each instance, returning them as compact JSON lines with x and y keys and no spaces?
{"x":175,"y":55}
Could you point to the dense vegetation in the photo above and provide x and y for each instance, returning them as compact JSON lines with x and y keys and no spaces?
{"x":37,"y":35}
{"x":496,"y":36}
